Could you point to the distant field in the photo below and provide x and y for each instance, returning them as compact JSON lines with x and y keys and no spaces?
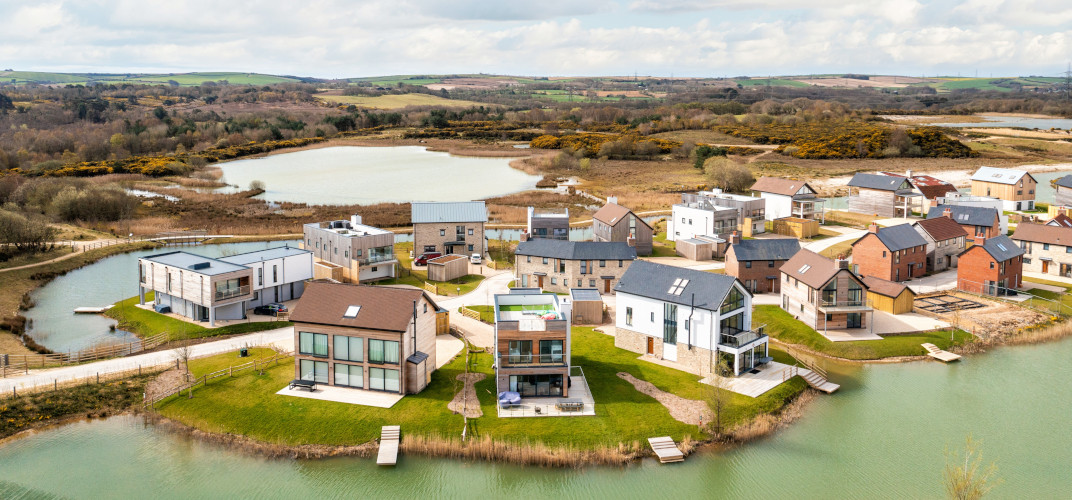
{"x":188,"y":79}
{"x":397,"y":101}
{"x":773,"y":81}
{"x":393,"y":81}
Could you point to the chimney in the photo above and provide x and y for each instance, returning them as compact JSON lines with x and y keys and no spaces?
{"x":524,"y":236}
{"x":1062,"y":210}
{"x":979,"y":239}
{"x":841,"y":262}
{"x":873,"y":228}
{"x":908,"y":173}
{"x":612,"y":199}
{"x":948,"y":212}
{"x":631,"y":241}
{"x":355,"y":220}
{"x":934,"y":202}
{"x":735,"y":238}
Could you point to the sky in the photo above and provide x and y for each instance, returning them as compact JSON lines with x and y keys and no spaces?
{"x":698,"y":38}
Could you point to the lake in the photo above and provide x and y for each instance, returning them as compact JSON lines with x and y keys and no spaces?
{"x":883,"y":435}
{"x":348,"y":175}
{"x":1013,"y":121}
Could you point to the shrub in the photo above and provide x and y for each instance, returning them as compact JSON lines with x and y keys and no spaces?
{"x":728,"y":175}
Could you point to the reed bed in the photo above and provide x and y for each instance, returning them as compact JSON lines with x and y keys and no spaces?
{"x":488,"y":449}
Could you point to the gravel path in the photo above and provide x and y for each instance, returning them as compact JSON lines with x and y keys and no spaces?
{"x":467,"y":394}
{"x":689,"y":411}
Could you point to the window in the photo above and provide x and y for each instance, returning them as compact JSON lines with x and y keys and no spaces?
{"x":554,"y":281}
{"x":629,"y":316}
{"x":316,"y":371}
{"x":561,"y":265}
{"x":619,"y":262}
{"x":336,"y":249}
{"x":470,"y":248}
{"x":1045,"y":246}
{"x":381,"y":379}
{"x":528,"y":258}
{"x":169,"y":281}
{"x":1068,"y":249}
{"x":748,"y":264}
{"x":315,"y":344}
{"x":346,"y":254}
{"x":382,"y":351}
{"x":442,"y":232}
{"x":580,"y":282}
{"x":260,"y":276}
{"x":470,"y":232}
{"x":425,"y":309}
{"x":358,"y":252}
{"x":550,"y":351}
{"x":669,"y":323}
{"x":349,"y":375}
{"x":592,"y":283}
{"x":459,"y":232}
{"x":690,"y":222}
{"x":991,"y":264}
{"x":770,"y":263}
{"x":584,"y":267}
{"x":830,"y":292}
{"x":653,"y":316}
{"x":275,"y":274}
{"x":883,"y":254}
{"x":374,"y":269}
{"x":856,"y":293}
{"x":545,"y":260}
{"x":349,"y":348}
{"x":519,"y":351}
{"x":734,"y":301}
{"x":602,"y":263}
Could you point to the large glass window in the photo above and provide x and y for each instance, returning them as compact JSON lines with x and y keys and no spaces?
{"x":520,"y":351}
{"x":856,"y":294}
{"x":550,"y":351}
{"x":316,"y":371}
{"x":629,"y":316}
{"x":315,"y":344}
{"x":536,"y":385}
{"x":733,"y":324}
{"x":349,"y":348}
{"x":830,"y":292}
{"x":670,"y":323}
{"x":349,"y":375}
{"x":734,"y":301}
{"x":383,"y":351}
{"x":382,"y":379}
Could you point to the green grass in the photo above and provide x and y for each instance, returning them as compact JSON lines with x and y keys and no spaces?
{"x":219,"y":362}
{"x":487,"y":313}
{"x":777,"y":82}
{"x":396,"y":101}
{"x":35,"y":257}
{"x":782,"y":326}
{"x":148,"y":323}
{"x":1059,"y":303}
{"x":418,"y":277}
{"x":247,"y":405}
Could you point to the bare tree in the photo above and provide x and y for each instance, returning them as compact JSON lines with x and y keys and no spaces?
{"x":183,"y":353}
{"x":719,"y":394}
{"x":965,"y":479}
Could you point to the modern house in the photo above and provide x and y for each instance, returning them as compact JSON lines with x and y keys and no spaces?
{"x":963,"y":200}
{"x":365,"y":337}
{"x":1060,"y":220}
{"x":895,"y":253}
{"x":888,"y":296}
{"x":823,"y":293}
{"x":945,"y":240}
{"x":883,"y":195}
{"x":694,"y":318}
{"x":449,"y":227}
{"x":532,"y":344}
{"x":355,"y":251}
{"x":207,"y":289}
{"x":616,"y":223}
{"x":1016,"y":188}
{"x":992,"y":266}
{"x":930,"y":188}
{"x":1047,"y":249}
{"x":758,"y":263}
{"x":551,"y":225}
{"x":789,"y":198}
{"x":556,"y":266}
{"x":716,"y":214}
{"x":977,"y":221}
{"x":1062,"y":196}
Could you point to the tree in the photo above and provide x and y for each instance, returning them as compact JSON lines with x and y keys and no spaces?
{"x":183,"y":353}
{"x":719,"y":394}
{"x":728,"y":175}
{"x":964,"y":477}
{"x":160,"y":113}
{"x":702,"y":152}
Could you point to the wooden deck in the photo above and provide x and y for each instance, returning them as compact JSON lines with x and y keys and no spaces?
{"x":91,"y":310}
{"x":666,"y":449}
{"x":388,"y":454}
{"x":936,"y":353}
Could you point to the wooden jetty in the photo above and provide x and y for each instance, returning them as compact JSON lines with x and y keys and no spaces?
{"x":388,"y":454}
{"x":91,"y":310}
{"x":666,"y":449}
{"x":936,"y":353}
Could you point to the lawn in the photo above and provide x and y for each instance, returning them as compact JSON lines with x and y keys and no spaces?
{"x":35,"y":257}
{"x":247,"y":405}
{"x":396,"y":101}
{"x":418,"y":277}
{"x":487,"y":313}
{"x":148,"y":323}
{"x":843,"y":248}
{"x":782,"y":326}
{"x":1058,"y":302}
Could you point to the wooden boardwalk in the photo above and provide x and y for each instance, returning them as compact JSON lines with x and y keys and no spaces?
{"x":936,"y":353}
{"x":388,"y":454}
{"x":666,"y":449}
{"x":818,"y":381}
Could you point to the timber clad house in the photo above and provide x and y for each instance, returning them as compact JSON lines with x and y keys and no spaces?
{"x":896,"y":253}
{"x":207,"y":289}
{"x":823,"y":293}
{"x":359,"y":252}
{"x":615,"y":223}
{"x":550,"y":225}
{"x":883,"y":195}
{"x":991,"y":266}
{"x":789,"y":198}
{"x":365,"y":337}
{"x":532,"y":344}
{"x":928,"y":187}
{"x":449,"y":227}
{"x":758,"y":263}
{"x":694,"y":318}
{"x":557,"y":266}
{"x":1016,"y":188}
{"x":976,"y":221}
{"x":945,"y":240}
{"x":1062,"y":196}
{"x":1047,"y":249}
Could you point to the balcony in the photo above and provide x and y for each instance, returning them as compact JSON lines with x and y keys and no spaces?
{"x":230,"y":293}
{"x":735,"y":338}
{"x":531,"y":360}
{"x":843,"y":306}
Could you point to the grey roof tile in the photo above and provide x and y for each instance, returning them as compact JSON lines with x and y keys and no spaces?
{"x":655,"y":281}
{"x":576,"y":250}
{"x":879,"y":182}
{"x":766,"y":249}
{"x":966,"y":215}
{"x":422,"y":212}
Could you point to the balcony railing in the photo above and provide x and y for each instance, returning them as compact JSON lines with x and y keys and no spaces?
{"x":844,"y":305}
{"x":506,"y":360}
{"x":733,"y":337}
{"x":231,"y":293}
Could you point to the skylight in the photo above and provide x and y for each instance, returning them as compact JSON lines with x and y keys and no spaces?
{"x":1002,"y":247}
{"x":804,"y":268}
{"x":351,"y":312}
{"x":678,"y":287}
{"x":963,"y":216}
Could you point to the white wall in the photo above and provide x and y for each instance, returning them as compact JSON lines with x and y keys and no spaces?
{"x":383,"y":270}
{"x":290,"y":269}
{"x":702,"y":223}
{"x":778,"y":205}
{"x":705,"y":324}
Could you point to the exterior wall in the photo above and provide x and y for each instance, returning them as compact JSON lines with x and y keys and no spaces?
{"x":871,"y":258}
{"x":545,"y":226}
{"x":349,"y":251}
{"x":526,"y":266}
{"x":801,"y":301}
{"x":778,"y":205}
{"x":688,"y":222}
{"x":996,"y":204}
{"x":427,"y":236}
{"x":974,"y":271}
{"x":1060,"y":258}
{"x":900,"y":305}
{"x":694,"y":251}
{"x":1062,"y":197}
{"x":587,"y":312}
{"x":1022,"y":191}
{"x":874,"y":202}
{"x":601,"y":231}
{"x":941,"y":255}
{"x":796,"y":227}
{"x":446,"y":271}
{"x":755,"y":278}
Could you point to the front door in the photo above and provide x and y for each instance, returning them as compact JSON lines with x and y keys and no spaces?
{"x":1045,"y":266}
{"x":770,"y":284}
{"x":539,"y":281}
{"x":606,"y":286}
{"x":651,"y":345}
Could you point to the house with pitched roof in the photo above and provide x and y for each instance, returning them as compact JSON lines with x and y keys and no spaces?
{"x":449,"y":227}
{"x":967,"y":200}
{"x":991,"y":266}
{"x":945,"y":240}
{"x":883,"y":196}
{"x":694,"y":318}
{"x":1061,"y":220}
{"x":789,"y":198}
{"x":758,"y":263}
{"x":1047,"y":249}
{"x":929,"y":187}
{"x":557,"y":266}
{"x":1016,"y":188}
{"x":977,"y":221}
{"x":1062,"y":195}
{"x":614,"y":222}
{"x":895,"y":253}
{"x":824,"y":293}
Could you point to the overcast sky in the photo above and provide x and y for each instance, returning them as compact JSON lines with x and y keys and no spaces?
{"x":334,"y":38}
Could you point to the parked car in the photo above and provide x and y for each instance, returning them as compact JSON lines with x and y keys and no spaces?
{"x":425,"y":257}
{"x":476,"y":258}
{"x":272,"y":309}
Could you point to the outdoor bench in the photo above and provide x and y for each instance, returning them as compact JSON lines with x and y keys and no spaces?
{"x":303,"y":384}
{"x":570,"y":405}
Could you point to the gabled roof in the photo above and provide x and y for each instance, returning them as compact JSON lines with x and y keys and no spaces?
{"x":576,"y":250}
{"x":382,"y":308}
{"x":1001,"y":248}
{"x":811,"y":268}
{"x":1065,"y":182}
{"x":612,"y":213}
{"x":883,"y":287}
{"x":657,"y":281}
{"x":766,"y":249}
{"x":1061,"y":220}
{"x":942,"y":228}
{"x":775,"y":185}
{"x":1039,"y":233}
{"x":966,"y":215}
{"x":931,"y":187}
{"x":897,"y":237}
{"x":422,"y":212}
{"x":999,"y":175}
{"x":877,"y":182}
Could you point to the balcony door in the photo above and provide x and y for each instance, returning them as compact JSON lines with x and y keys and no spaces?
{"x":670,"y":332}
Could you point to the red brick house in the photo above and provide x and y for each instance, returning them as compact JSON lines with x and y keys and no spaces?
{"x":991,"y":266}
{"x":758,"y":263}
{"x":895,"y":253}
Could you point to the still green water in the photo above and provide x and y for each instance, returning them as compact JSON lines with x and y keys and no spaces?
{"x":882,"y":436}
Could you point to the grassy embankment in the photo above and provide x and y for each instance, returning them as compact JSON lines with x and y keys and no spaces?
{"x":782,"y":326}
{"x":487,"y":313}
{"x":147,"y":323}
{"x":418,"y":277}
{"x":247,"y":405}
{"x":1060,"y":303}
{"x":26,"y":259}
{"x":91,"y":400}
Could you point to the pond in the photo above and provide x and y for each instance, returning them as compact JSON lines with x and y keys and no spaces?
{"x":104,"y":282}
{"x":1012,"y":121}
{"x":883,"y":435}
{"x":347,"y":175}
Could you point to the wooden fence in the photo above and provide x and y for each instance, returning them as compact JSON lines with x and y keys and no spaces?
{"x":21,"y":363}
{"x":96,"y":378}
{"x":203,"y":380}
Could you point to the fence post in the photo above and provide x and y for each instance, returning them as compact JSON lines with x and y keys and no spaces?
{"x":98,"y":377}
{"x":54,"y":384}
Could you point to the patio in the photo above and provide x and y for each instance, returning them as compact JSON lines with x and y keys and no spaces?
{"x":251,"y":317}
{"x":361,"y":397}
{"x":754,"y":385}
{"x":545,"y":406}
